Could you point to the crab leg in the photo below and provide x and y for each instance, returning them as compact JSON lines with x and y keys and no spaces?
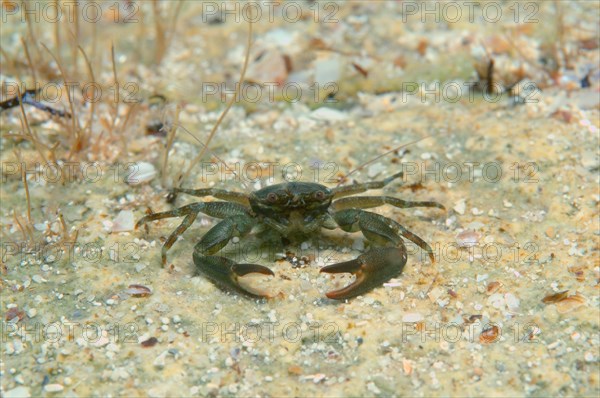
{"x":378,"y":265}
{"x":365,"y":202}
{"x":223,"y":194}
{"x":235,"y":222}
{"x":213,"y":209}
{"x":347,"y":190}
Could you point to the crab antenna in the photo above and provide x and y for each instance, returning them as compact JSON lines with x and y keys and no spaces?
{"x":178,"y":125}
{"x":197,"y":159}
{"x":362,"y":166}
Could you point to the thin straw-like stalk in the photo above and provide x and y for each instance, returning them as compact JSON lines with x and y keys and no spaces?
{"x":170,"y":140}
{"x":26,"y":185}
{"x":29,"y":61}
{"x":78,"y":144}
{"x":27,"y":129}
{"x":117,"y":87}
{"x":229,"y":105}
{"x":88,"y":125}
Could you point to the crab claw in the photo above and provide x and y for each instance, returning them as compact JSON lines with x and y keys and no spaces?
{"x":225,"y":273}
{"x":372,"y":269}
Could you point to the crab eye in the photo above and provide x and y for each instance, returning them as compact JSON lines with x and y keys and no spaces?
{"x":272,"y":197}
{"x":320,"y":195}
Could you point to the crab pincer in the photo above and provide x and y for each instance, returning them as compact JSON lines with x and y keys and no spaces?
{"x":226,"y":273}
{"x":371,"y":269}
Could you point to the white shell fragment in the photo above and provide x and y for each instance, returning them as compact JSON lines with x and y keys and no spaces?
{"x":412,"y":317}
{"x":512,"y":302}
{"x":468,"y":238}
{"x":53,"y":388}
{"x":142,"y":172}
{"x":269,"y":68}
{"x":460,"y":206}
{"x":327,"y":70}
{"x":123,"y":222}
{"x":328,"y":114}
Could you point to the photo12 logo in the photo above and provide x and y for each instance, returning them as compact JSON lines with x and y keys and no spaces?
{"x":90,"y":92}
{"x":472,"y":331}
{"x":59,"y":332}
{"x":70,"y":11}
{"x":471,"y":11}
{"x":254,"y":332}
{"x":255,"y":11}
{"x":253,"y":172}
{"x":470,"y":171}
{"x":68,"y":172}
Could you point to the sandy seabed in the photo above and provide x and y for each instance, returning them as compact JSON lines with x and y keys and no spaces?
{"x":510,"y":307}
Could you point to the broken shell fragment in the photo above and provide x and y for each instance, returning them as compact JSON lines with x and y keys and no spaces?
{"x":489,"y":335}
{"x":138,"y":291}
{"x":140,"y":173}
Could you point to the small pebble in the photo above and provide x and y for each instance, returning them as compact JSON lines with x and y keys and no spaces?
{"x":139,"y":267}
{"x":460,"y":206}
{"x":412,"y":317}
{"x":18,"y":392}
{"x":468,"y":238}
{"x":124,"y":221}
{"x":52,"y":388}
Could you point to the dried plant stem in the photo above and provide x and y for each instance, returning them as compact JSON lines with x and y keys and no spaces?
{"x":170,"y":140}
{"x":524,"y":57}
{"x":229,"y":105}
{"x":362,"y":166}
{"x":26,"y":185}
{"x":75,"y":36}
{"x":210,"y":152}
{"x":88,"y":125}
{"x":122,"y":126}
{"x":94,"y":41}
{"x":29,"y":62}
{"x":172,"y":25}
{"x":117,"y":91}
{"x":26,"y":129}
{"x":160,"y":41}
{"x":24,"y":232}
{"x":66,"y":236}
{"x":56,"y":28}
{"x":75,"y":132}
{"x":9,"y":60}
{"x":30,"y":30}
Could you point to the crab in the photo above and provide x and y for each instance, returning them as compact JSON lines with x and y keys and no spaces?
{"x":298,"y":211}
